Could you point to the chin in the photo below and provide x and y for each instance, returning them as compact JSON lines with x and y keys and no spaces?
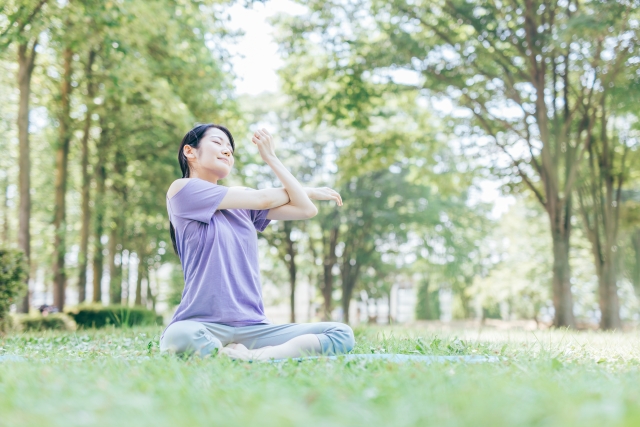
{"x":221,"y":173}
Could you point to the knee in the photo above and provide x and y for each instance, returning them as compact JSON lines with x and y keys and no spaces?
{"x":186,"y":337}
{"x":344,"y":339}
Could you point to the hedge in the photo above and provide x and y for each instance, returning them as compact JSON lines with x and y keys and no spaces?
{"x":13,"y":272}
{"x":98,"y":316}
{"x":54,"y":321}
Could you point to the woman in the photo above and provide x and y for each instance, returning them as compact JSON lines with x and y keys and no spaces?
{"x":213,"y":229}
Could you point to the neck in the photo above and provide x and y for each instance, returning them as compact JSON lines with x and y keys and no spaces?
{"x":205,"y":175}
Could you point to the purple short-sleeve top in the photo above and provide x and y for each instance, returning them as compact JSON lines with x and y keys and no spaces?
{"x":218,"y":250}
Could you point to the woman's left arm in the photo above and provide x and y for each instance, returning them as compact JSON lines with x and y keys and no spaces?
{"x":289,"y":212}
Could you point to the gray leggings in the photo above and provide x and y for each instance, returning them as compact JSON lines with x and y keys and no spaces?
{"x":201,"y":338}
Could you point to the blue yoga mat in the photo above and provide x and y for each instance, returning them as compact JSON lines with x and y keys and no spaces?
{"x":11,"y":359}
{"x":400,"y":358}
{"x":395,"y":358}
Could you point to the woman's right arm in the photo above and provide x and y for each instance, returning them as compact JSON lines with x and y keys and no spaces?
{"x":248,"y":198}
{"x":242,"y":197}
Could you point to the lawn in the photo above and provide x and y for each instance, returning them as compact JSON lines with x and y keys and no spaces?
{"x":117,"y":377}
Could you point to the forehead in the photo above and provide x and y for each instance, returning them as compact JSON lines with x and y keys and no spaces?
{"x":215,"y":132}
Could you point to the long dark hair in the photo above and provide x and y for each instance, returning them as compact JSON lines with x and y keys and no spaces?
{"x":193,"y":138}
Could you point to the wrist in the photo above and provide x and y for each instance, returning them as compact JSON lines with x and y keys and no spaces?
{"x":269,"y":158}
{"x":310,"y":192}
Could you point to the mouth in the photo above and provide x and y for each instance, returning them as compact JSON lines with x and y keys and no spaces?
{"x":224,"y":160}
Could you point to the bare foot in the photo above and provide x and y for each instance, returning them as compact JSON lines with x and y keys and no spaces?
{"x":237,"y":351}
{"x":262,"y":353}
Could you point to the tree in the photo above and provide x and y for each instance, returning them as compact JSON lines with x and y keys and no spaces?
{"x":600,"y":196}
{"x":132,"y":86}
{"x":86,"y":181}
{"x":20,"y":28}
{"x":517,"y":270}
{"x":26,"y":64}
{"x":629,"y":242}
{"x":531,"y":77}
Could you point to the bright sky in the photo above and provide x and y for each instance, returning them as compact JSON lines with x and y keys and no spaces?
{"x":256,"y":56}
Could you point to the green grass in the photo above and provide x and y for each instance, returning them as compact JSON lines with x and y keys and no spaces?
{"x":117,"y":377}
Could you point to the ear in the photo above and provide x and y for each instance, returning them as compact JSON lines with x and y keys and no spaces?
{"x":189,"y":152}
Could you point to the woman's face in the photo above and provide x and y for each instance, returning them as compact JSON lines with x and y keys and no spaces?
{"x":214,"y":153}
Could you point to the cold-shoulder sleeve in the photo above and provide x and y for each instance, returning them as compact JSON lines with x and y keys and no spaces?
{"x":197,"y":200}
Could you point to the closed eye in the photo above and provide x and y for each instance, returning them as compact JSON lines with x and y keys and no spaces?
{"x":219,"y":142}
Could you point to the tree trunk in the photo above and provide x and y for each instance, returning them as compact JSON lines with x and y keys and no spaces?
{"x":124,"y":266}
{"x":330,"y":242}
{"x":349,"y":278}
{"x":140,"y":257}
{"x":115,"y":270}
{"x":599,"y":199}
{"x":98,"y":247}
{"x":119,"y":204}
{"x":86,"y":184}
{"x":635,"y":273}
{"x":608,"y":293}
{"x":99,"y":214}
{"x":562,"y":297}
{"x":291,"y":264}
{"x":150,"y":294}
{"x":605,"y":261}
{"x":62,"y":157}
{"x":26,"y":63}
{"x":5,"y":210}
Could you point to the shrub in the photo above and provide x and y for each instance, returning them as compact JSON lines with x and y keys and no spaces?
{"x":98,"y":316}
{"x":56,"y":321}
{"x":13,"y":273}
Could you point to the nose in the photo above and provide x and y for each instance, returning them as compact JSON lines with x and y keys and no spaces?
{"x":226,"y":151}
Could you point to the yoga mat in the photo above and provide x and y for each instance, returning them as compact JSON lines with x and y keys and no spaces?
{"x":11,"y":359}
{"x":394,"y":358}
{"x":399,"y":358}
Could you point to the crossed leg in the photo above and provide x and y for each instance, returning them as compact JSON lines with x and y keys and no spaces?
{"x":303,"y":345}
{"x":258,"y":342}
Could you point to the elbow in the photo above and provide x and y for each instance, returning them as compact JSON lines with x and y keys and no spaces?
{"x":311,"y":212}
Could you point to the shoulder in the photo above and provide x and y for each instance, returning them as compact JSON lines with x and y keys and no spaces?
{"x":176,"y":186}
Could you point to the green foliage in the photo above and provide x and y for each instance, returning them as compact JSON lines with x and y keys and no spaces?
{"x":96,"y":316}
{"x":519,"y":269}
{"x":13,"y":273}
{"x":428,"y":303}
{"x":54,"y":321}
{"x":176,"y":286}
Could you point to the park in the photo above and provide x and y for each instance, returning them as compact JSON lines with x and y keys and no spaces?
{"x":319,"y":212}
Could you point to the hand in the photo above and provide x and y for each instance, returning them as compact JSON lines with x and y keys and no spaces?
{"x":324,"y":193}
{"x":262,"y":138}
